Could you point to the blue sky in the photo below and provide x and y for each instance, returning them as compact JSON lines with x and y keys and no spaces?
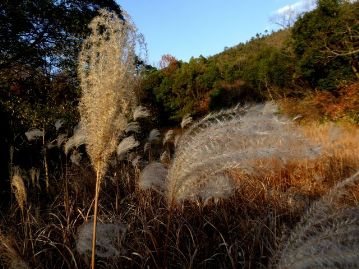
{"x":185,"y":28}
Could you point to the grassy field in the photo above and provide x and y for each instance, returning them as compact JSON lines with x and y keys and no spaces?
{"x":200,"y":209}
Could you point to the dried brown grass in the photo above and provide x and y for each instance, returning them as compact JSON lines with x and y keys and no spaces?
{"x":9,"y":253}
{"x":248,"y":229}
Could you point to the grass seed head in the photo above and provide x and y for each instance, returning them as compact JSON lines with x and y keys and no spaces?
{"x":107,"y":71}
{"x":246,"y":140}
{"x":107,"y":235}
{"x":18,"y":188}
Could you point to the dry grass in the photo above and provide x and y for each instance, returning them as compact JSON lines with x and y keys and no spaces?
{"x":327,"y":236}
{"x":9,"y":254}
{"x":325,"y":105}
{"x":248,"y":229}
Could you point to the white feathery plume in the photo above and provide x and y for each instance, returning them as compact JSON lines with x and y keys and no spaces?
{"x":140,"y":112}
{"x":78,"y":139}
{"x":233,"y":140}
{"x":328,"y":234}
{"x":186,"y":120}
{"x":154,"y":136}
{"x":59,"y":123}
{"x":76,"y":157}
{"x":169,"y":136}
{"x":61,"y":138}
{"x":126,"y":145}
{"x":135,"y":161}
{"x":153,"y":176}
{"x":146,"y":147}
{"x":107,"y":235}
{"x":34,"y":134}
{"x":108,"y":75}
{"x":165,"y":157}
{"x":133,"y":127}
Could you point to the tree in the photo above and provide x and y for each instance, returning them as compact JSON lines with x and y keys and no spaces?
{"x":38,"y":54}
{"x":345,"y":40}
{"x":45,"y":33}
{"x":167,"y":60}
{"x":326,"y":44}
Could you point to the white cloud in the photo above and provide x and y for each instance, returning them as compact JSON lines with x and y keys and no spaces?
{"x":288,"y":14}
{"x":297,"y":7}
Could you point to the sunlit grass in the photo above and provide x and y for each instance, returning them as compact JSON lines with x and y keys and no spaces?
{"x":244,"y":229}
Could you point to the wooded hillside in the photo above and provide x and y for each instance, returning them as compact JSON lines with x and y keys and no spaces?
{"x":318,"y":54}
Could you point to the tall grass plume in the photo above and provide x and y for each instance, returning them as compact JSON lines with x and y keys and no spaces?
{"x":254,"y":141}
{"x":108,"y":74}
{"x":18,"y":188}
{"x":328,"y":234}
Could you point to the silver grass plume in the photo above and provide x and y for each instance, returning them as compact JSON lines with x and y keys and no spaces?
{"x":133,"y":127}
{"x":154,"y":136}
{"x":176,"y":139}
{"x":107,"y":73}
{"x":147,"y":147}
{"x":186,"y":120}
{"x":165,"y":157}
{"x":76,"y":157}
{"x":140,"y":112}
{"x":34,"y":134}
{"x":153,"y":177}
{"x":78,"y":139}
{"x":169,"y":136}
{"x":58,"y":124}
{"x":9,"y":254}
{"x":126,"y":145}
{"x":107,"y":236}
{"x":328,"y":234}
{"x":232,"y":140}
{"x":136,"y":161}
{"x":18,"y":188}
{"x":61,"y":138}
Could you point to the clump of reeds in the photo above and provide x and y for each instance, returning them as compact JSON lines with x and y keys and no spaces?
{"x":328,"y":234}
{"x":253,"y":140}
